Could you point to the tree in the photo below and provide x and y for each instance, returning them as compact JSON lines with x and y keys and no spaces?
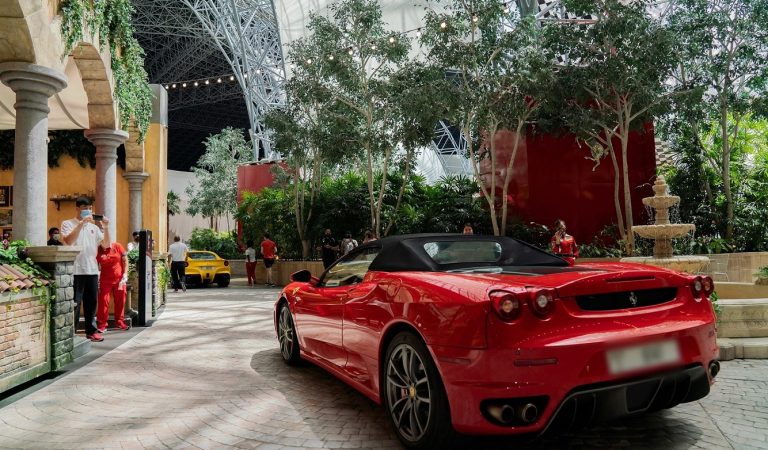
{"x":612,"y":83}
{"x":174,"y":207}
{"x":216,"y":173}
{"x":350,"y":59}
{"x":500,"y":76}
{"x":721,"y":49}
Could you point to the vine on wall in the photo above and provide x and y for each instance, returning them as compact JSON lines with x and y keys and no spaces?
{"x":111,"y":21}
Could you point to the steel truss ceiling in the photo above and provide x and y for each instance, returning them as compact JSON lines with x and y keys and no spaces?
{"x":198,"y":40}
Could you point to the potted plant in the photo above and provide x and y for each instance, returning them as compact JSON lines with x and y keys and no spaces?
{"x":762,"y":276}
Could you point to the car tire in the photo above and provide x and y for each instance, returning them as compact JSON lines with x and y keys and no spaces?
{"x":223,"y":283}
{"x":286,"y":336}
{"x":418,"y":424}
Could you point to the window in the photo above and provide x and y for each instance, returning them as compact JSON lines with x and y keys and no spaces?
{"x":457,"y":252}
{"x":350,"y":270}
{"x":201,"y":256}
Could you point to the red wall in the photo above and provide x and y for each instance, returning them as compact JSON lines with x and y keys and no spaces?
{"x":254,"y":177}
{"x":553,"y":179}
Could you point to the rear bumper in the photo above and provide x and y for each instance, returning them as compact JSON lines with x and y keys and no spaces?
{"x":571,"y":382}
{"x":198,"y":277}
{"x":592,"y":405}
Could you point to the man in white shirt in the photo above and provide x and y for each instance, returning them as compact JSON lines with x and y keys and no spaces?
{"x":178,"y":256}
{"x":84,"y":231}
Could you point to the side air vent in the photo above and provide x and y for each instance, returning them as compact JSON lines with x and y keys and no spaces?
{"x":626,"y":299}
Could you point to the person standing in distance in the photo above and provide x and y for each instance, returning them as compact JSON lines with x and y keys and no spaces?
{"x":54,"y":237}
{"x":330,"y":247}
{"x":135,"y":243}
{"x":178,"y":256}
{"x":250,"y":263}
{"x":269,"y":253}
{"x":563,"y":244}
{"x":85,"y":233}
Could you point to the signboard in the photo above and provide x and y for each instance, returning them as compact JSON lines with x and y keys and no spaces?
{"x":146,"y":274}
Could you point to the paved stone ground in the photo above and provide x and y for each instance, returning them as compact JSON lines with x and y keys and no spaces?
{"x":208,"y":375}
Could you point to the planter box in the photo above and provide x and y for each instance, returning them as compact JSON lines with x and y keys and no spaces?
{"x":25,"y":340}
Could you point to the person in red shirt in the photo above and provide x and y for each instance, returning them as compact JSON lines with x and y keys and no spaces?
{"x":269,"y":253}
{"x":563,"y":244}
{"x":113,"y":278}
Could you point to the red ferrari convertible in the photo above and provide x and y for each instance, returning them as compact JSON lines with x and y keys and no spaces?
{"x":489,"y":335}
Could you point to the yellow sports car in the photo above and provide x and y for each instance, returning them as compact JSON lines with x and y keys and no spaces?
{"x":205,"y":267}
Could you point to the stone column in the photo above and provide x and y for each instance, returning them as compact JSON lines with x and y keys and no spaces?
{"x":33,"y":86}
{"x":106,"y":142}
{"x":135,"y":184}
{"x":59,"y":261}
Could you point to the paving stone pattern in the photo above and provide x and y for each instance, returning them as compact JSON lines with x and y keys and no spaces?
{"x":208,"y":375}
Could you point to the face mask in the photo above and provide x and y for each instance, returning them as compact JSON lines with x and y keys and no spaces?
{"x":85,"y":213}
{"x":56,"y":236}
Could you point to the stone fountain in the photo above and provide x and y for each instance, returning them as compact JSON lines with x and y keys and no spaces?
{"x":662,"y":232}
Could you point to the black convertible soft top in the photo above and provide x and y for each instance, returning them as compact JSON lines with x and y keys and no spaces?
{"x":408,"y":253}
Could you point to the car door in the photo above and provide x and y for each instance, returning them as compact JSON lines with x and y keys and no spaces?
{"x":319,"y":309}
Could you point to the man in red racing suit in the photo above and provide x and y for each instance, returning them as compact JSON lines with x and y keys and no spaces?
{"x":112,"y":280}
{"x":563,"y":244}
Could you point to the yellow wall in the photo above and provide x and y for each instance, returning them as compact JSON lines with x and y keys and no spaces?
{"x":68,"y":179}
{"x":155,"y":191}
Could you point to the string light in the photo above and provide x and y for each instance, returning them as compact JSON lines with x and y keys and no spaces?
{"x":196,"y":84}
{"x":173,"y":86}
{"x":258,"y":71}
{"x":351,"y":52}
{"x":218,"y":80}
{"x":183,"y":85}
{"x":309,"y":60}
{"x":330,"y":57}
{"x":443,"y":24}
{"x":475,"y":19}
{"x":207,"y":82}
{"x":166,"y":87}
{"x":373,"y":46}
{"x":231,"y":78}
{"x":391,"y":39}
{"x":418,"y":33}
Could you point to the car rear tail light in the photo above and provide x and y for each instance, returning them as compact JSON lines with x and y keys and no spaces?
{"x":506,"y":305}
{"x":226,"y":263}
{"x":543,"y":302}
{"x":702,"y":286}
{"x":186,"y":264}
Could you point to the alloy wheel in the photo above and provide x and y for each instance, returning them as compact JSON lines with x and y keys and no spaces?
{"x":285,"y":333}
{"x":408,"y":392}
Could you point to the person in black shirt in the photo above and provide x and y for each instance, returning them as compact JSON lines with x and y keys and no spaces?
{"x":329,"y":247}
{"x":54,"y":237}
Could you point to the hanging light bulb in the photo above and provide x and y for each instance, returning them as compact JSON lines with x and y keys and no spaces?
{"x":258,"y":71}
{"x":418,"y":33}
{"x":166,"y":87}
{"x":351,"y":52}
{"x":207,"y":82}
{"x":196,"y":84}
{"x":245,"y":76}
{"x":183,"y":85}
{"x":309,"y":60}
{"x":218,"y":80}
{"x":506,"y":8}
{"x":173,"y":86}
{"x":391,"y":39}
{"x":443,"y":24}
{"x":475,"y":19}
{"x":330,"y":57}
{"x":373,"y":46}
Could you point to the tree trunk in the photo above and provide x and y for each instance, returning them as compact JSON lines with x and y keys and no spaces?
{"x":508,"y":178}
{"x":406,"y":179}
{"x":616,"y":197}
{"x":627,"y":191}
{"x":726,"y":167}
{"x":306,"y":250}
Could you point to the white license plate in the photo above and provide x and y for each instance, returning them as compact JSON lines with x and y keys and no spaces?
{"x":642,"y":356}
{"x":208,"y":267}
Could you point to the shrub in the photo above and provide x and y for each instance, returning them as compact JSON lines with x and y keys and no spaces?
{"x":223,"y":244}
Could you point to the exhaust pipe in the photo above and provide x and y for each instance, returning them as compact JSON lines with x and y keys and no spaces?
{"x":714,"y":369}
{"x":528,"y":413}
{"x":503,"y":413}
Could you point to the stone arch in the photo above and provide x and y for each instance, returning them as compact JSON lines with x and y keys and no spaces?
{"x":16,"y":42}
{"x":95,"y":74}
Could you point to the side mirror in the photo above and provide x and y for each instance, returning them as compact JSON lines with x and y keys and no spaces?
{"x":302,"y":276}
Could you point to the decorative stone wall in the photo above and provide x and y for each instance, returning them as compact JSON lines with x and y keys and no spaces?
{"x":59,"y":262}
{"x":24,"y":338}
